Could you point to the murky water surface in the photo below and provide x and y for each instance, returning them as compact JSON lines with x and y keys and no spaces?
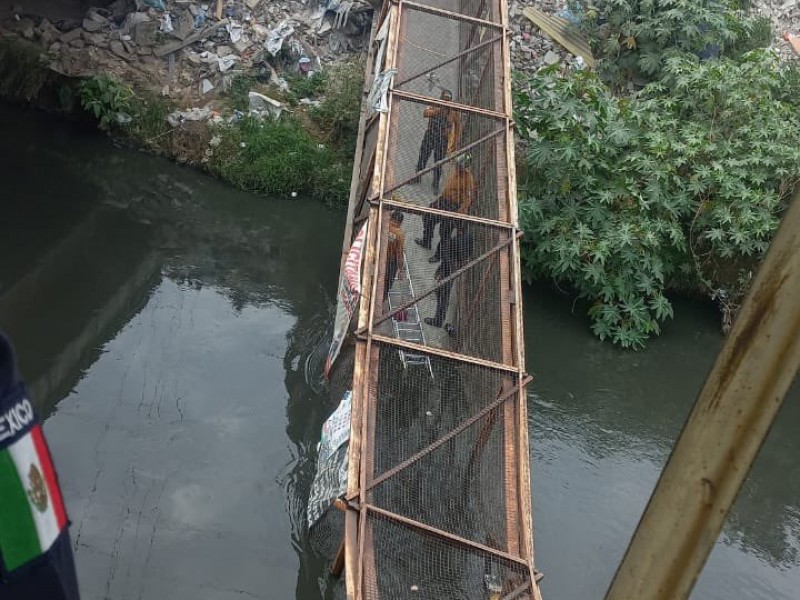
{"x":164,"y":324}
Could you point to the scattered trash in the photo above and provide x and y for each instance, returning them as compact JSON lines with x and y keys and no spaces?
{"x":226,"y":62}
{"x":166,"y":23}
{"x":276,"y":36}
{"x":206,"y":86}
{"x":193,"y":114}
{"x":293,"y":194}
{"x":428,"y":413}
{"x":377,"y":95}
{"x":200,"y":18}
{"x":124,"y":118}
{"x":569,"y":16}
{"x":242,"y":145}
{"x":304,"y":64}
{"x":261,"y":105}
{"x":157,"y":4}
{"x":235,"y":31}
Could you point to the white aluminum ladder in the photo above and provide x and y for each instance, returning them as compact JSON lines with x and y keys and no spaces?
{"x":409,"y":330}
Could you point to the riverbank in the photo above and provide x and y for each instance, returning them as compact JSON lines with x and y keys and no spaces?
{"x":266,"y":96}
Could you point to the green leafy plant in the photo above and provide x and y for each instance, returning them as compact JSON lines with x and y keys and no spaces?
{"x":685,"y":181}
{"x":240,"y":88}
{"x":634,"y":38}
{"x":278,"y":158}
{"x":108,"y":100}
{"x":301,"y":86}
{"x":339,"y":113}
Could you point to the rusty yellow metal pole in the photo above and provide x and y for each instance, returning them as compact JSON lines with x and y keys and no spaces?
{"x":723,"y":434}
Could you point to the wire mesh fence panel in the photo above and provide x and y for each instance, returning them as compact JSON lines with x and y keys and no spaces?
{"x":415,"y":408}
{"x":458,"y":486}
{"x":437,"y":420}
{"x":453,"y":161}
{"x":438,"y":279}
{"x":461,"y":61}
{"x":410,"y":564}
{"x":488,"y":10}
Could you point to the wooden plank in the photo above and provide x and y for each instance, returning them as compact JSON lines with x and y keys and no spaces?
{"x":721,"y":438}
{"x":360,"y":140}
{"x":338,"y":563}
{"x":351,"y":554}
{"x":191,"y":39}
{"x":563,"y":32}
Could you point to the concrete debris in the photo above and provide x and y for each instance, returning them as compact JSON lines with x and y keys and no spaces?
{"x":264,"y":106}
{"x":551,"y":58}
{"x":193,"y":114}
{"x":182,"y":49}
{"x":277,"y":36}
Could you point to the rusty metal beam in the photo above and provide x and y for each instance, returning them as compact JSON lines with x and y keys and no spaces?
{"x":420,"y":99}
{"x":723,"y":434}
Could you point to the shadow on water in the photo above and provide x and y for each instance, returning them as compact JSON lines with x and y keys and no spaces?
{"x":156,"y":313}
{"x":168,"y":326}
{"x":603,"y":422}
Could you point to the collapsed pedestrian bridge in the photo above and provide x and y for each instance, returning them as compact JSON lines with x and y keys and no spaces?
{"x":432,"y":474}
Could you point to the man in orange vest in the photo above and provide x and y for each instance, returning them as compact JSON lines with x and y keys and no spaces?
{"x":441,"y":137}
{"x":457,"y":196}
{"x":395,"y":251}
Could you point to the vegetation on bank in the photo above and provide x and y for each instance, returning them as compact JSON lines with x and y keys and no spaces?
{"x":307,"y":152}
{"x":678,"y":185}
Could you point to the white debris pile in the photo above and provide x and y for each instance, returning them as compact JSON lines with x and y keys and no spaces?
{"x":181,"y":47}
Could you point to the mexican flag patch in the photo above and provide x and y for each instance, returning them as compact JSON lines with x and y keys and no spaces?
{"x":32,"y":511}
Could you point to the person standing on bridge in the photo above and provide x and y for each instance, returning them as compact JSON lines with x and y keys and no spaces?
{"x":457,"y":196}
{"x":441,"y":137}
{"x":456,"y":252}
{"x":395,"y":251}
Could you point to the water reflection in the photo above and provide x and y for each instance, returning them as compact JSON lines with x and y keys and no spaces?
{"x":603,"y":422}
{"x":165,"y":321}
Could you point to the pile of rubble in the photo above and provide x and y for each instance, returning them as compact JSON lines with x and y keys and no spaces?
{"x":187,"y":49}
{"x":531,"y":49}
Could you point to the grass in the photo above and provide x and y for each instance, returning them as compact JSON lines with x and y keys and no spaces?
{"x":278,"y":158}
{"x":339,"y":113}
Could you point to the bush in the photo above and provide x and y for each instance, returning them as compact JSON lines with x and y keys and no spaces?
{"x":635,"y":38}
{"x":277,"y":158}
{"x":340,"y":110}
{"x":108,"y":100}
{"x":683,"y":182}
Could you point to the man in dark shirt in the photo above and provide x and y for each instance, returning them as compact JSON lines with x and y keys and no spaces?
{"x":456,"y":252}
{"x":441,"y":137}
